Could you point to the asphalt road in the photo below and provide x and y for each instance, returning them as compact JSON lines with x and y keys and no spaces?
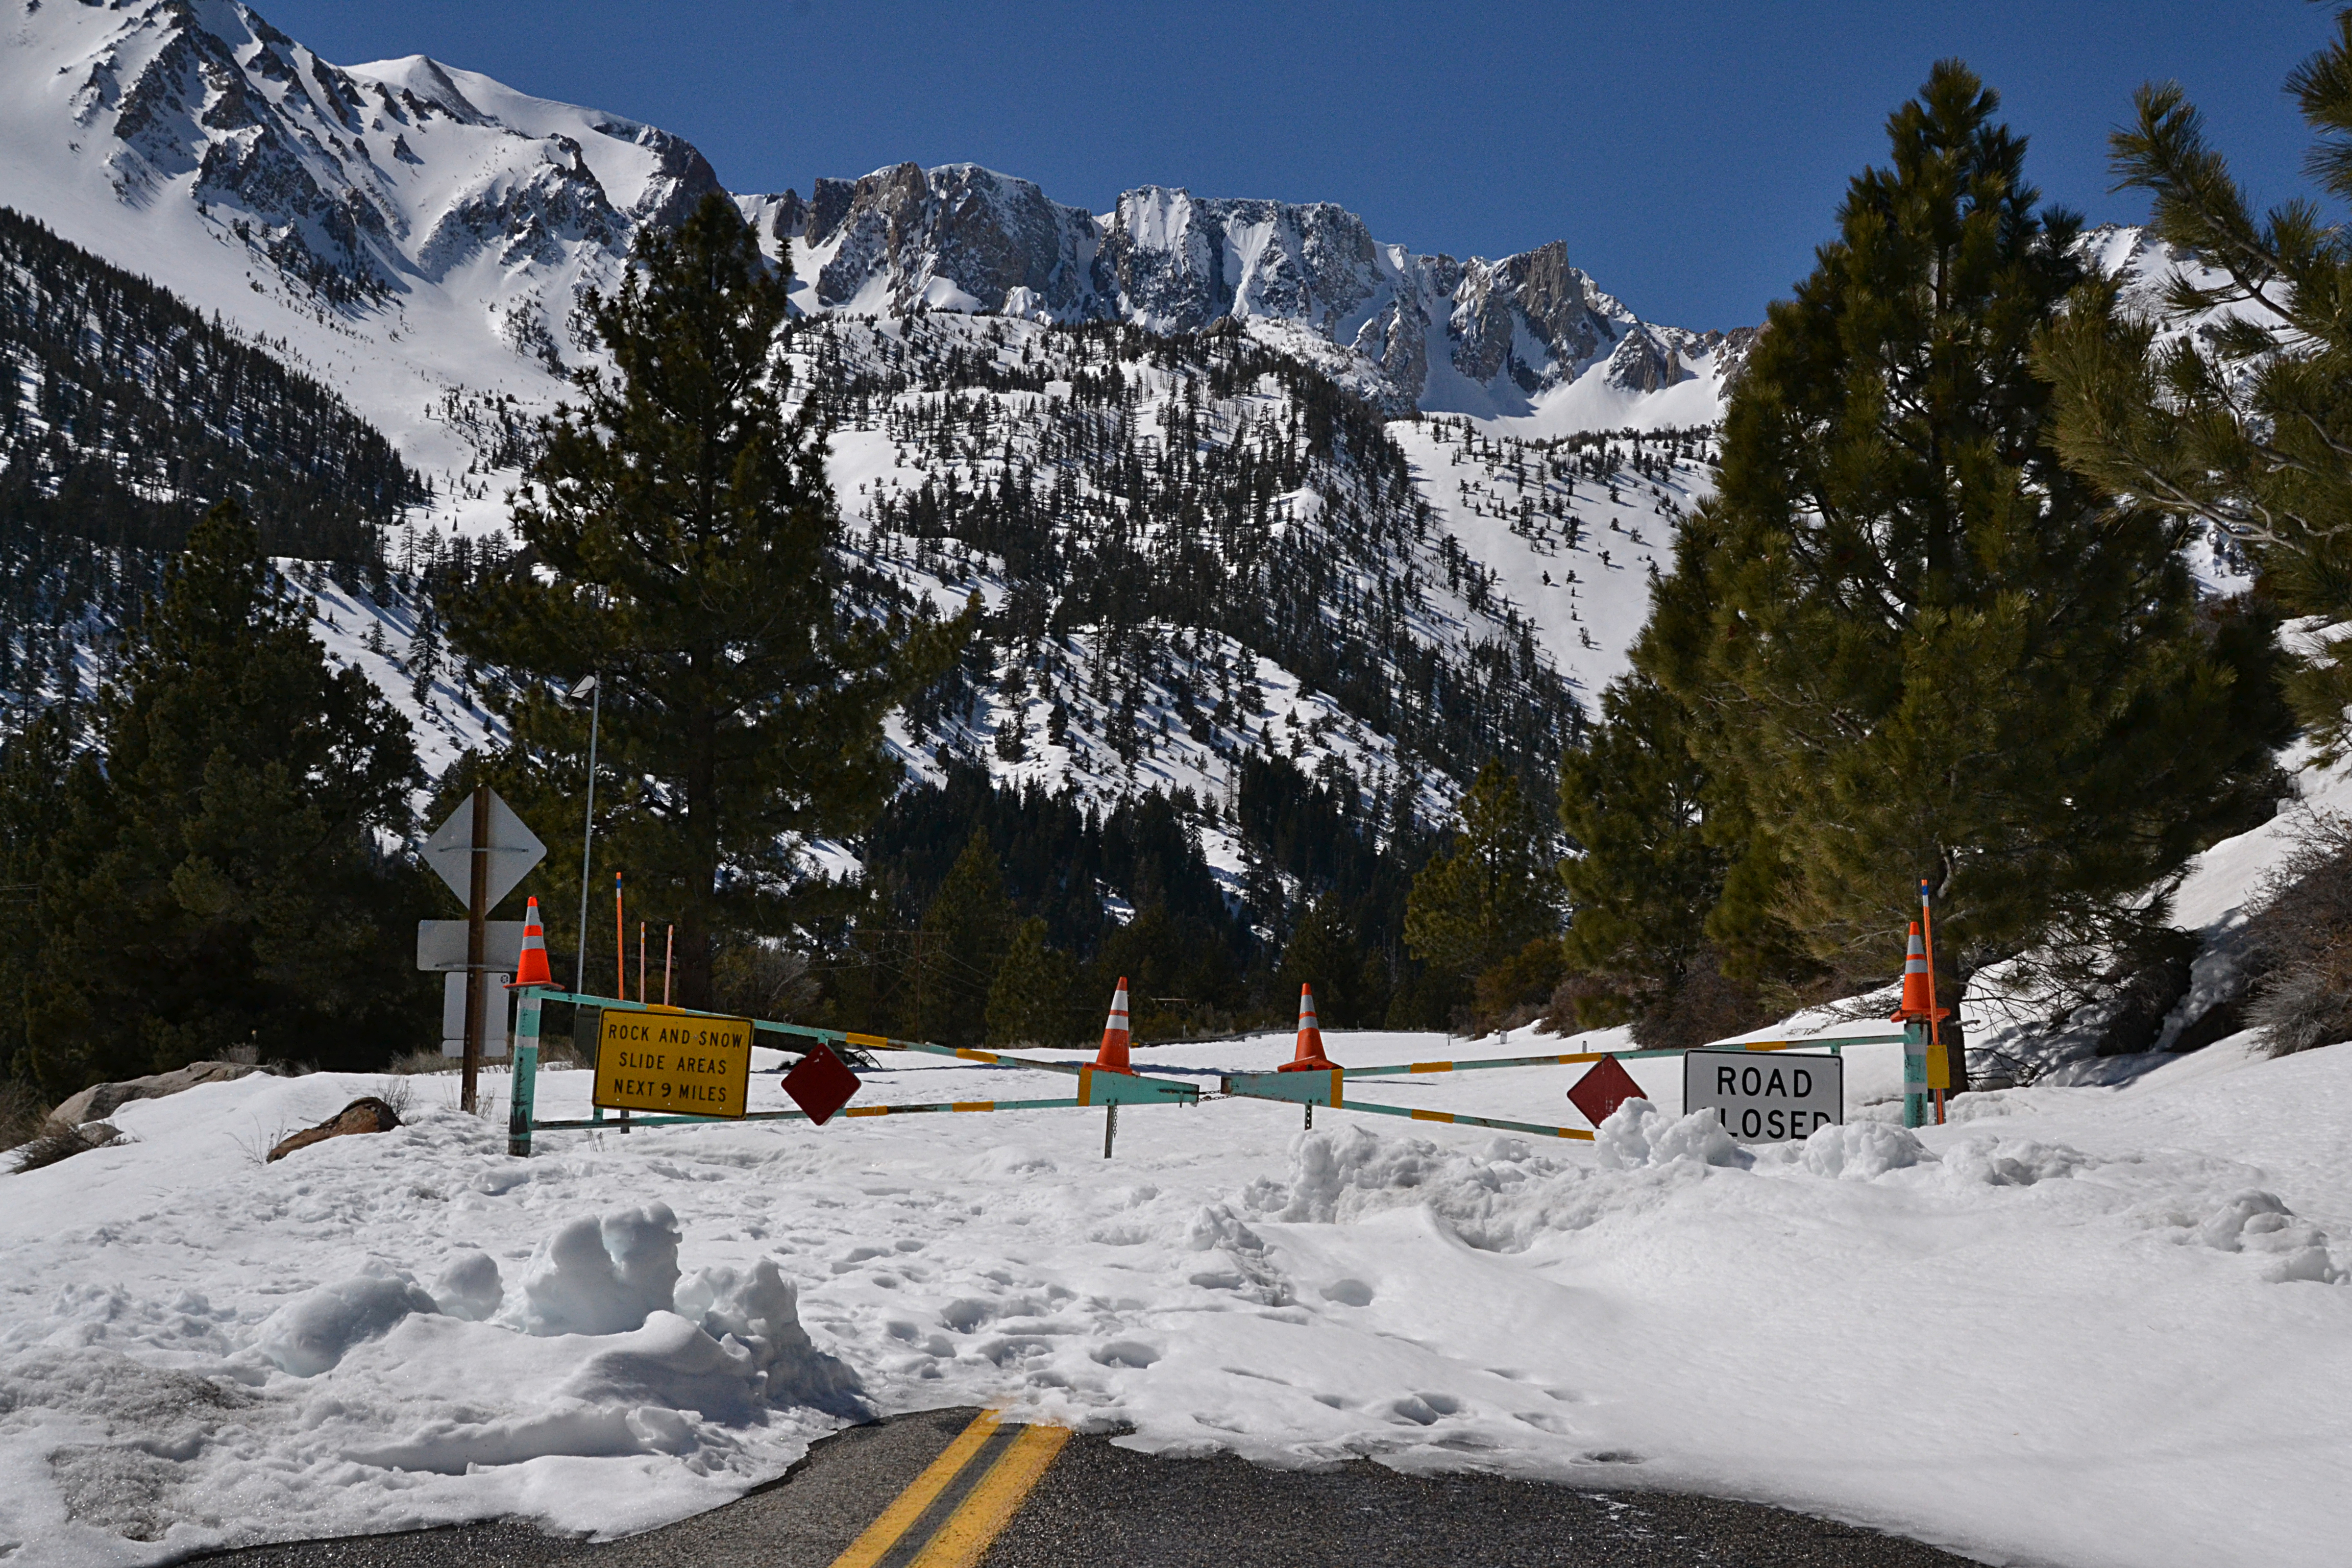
{"x":926,"y":1490}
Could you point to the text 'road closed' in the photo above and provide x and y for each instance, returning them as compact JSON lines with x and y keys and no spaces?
{"x":1765,"y":1099}
{"x":674,"y":1062}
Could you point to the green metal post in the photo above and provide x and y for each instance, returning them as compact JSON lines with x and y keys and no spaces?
{"x":526,"y":1075}
{"x":1915,"y":1075}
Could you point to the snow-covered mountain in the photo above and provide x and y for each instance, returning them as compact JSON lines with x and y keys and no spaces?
{"x":418,"y":237}
{"x":415,"y":236}
{"x":421,"y":233}
{"x":1528,"y":340}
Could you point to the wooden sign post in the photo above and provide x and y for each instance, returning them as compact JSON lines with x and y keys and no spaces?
{"x":481,"y":852}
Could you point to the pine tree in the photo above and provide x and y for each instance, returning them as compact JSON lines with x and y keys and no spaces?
{"x":1911,"y":642}
{"x":35,"y":813}
{"x":1641,"y":874}
{"x":2230,"y":403}
{"x":220,"y":879}
{"x":678,"y":531}
{"x":960,"y":947}
{"x":1030,"y":1001}
{"x":1323,"y":953}
{"x":1494,"y":892}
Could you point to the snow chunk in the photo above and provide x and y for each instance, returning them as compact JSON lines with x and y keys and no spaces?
{"x":1325,"y":1165}
{"x":602,"y":1275}
{"x":2253,"y":1210}
{"x":1217,"y":1226}
{"x":1860,"y":1150}
{"x":2011,"y":1162}
{"x":311,"y":1334}
{"x":2258,"y":1221}
{"x":671,"y":1363}
{"x":1638,"y":1133}
{"x":760,"y":1310}
{"x":470,"y":1288}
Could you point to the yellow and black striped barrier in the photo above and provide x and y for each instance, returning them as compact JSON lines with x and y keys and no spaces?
{"x":1573,"y":1058}
{"x":1328,"y":1087}
{"x":1096,"y":1087}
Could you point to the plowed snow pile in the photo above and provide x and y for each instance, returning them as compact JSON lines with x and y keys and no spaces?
{"x":2078,"y":1325}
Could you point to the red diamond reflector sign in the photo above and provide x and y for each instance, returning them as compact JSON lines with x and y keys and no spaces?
{"x":1596,"y":1094}
{"x":820,"y":1085}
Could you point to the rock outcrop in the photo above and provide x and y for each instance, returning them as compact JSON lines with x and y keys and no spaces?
{"x":961,"y":237}
{"x":101,"y":1100}
{"x":366,"y":1114}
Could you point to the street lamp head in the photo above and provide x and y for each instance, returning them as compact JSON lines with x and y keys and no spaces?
{"x":587,"y":684}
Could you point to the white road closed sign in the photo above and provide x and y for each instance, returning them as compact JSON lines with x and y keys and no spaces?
{"x":1764,"y":1099}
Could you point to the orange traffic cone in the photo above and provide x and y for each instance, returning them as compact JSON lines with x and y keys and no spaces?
{"x":530,"y":969}
{"x":1311,"y":1056}
{"x":1915,"y":1000}
{"x":1112,"y":1057}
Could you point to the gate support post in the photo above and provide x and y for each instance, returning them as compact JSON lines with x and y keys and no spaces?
{"x":1915,"y":1073}
{"x":526,"y":1075}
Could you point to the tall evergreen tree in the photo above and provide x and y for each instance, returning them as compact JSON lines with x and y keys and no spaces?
{"x":1913,"y":643}
{"x":1641,"y":874}
{"x":1495,"y":891}
{"x":35,"y":813}
{"x":1323,"y":953}
{"x":960,"y":946}
{"x":678,"y":531}
{"x":1029,"y":1004}
{"x":2229,"y":404}
{"x":222,"y":876}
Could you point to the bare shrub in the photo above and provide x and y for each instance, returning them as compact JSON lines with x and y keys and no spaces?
{"x":1704,"y":1006}
{"x":22,"y":1112}
{"x":257,"y":1144}
{"x":486,"y":1104}
{"x":412,"y":1062}
{"x":2301,"y":1006}
{"x":760,"y":980}
{"x":555,"y":1051}
{"x":2300,"y":929}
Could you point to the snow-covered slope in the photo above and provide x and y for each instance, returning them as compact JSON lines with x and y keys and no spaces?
{"x":1187,"y":561}
{"x":415,"y":236}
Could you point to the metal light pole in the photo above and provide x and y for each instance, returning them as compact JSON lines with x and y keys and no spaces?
{"x":593,"y":689}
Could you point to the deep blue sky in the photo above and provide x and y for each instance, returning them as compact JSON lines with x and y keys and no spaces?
{"x":1690,"y":155}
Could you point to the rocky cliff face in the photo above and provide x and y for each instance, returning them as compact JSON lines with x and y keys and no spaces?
{"x":966,"y":238}
{"x":358,"y":182}
{"x":956,"y":237}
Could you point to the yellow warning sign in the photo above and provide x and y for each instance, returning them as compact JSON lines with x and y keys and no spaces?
{"x":660,"y":1060}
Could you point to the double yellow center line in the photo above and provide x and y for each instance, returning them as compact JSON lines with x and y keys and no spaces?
{"x":954,"y":1509}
